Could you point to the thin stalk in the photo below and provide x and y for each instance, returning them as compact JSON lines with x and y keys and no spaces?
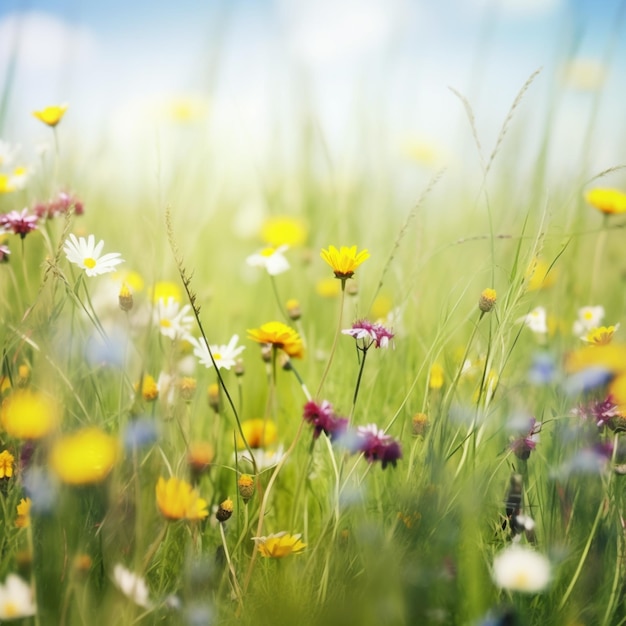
{"x":337,"y":333}
{"x":235,"y":584}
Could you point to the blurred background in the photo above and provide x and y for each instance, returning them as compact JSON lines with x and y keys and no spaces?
{"x":351,"y":84}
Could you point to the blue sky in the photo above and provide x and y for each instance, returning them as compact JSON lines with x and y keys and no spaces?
{"x":257,"y":61}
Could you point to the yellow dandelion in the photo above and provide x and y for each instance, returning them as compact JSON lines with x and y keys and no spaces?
{"x":84,"y":457}
{"x":27,"y":414}
{"x":6,"y":464}
{"x":539,"y":275}
{"x":344,"y":261}
{"x":51,"y":115}
{"x":177,"y":500}
{"x":607,"y":201}
{"x":283,"y":230}
{"x":279,"y":545}
{"x":258,"y":433}
{"x":149,"y":388}
{"x":23,"y":513}
{"x":280,"y":336}
{"x":436,"y":376}
{"x":601,"y":336}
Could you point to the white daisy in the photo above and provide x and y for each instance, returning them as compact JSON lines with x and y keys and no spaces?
{"x":521,"y":569}
{"x":225,"y":356}
{"x":173,"y":320}
{"x":536,"y":320}
{"x":132,"y":586}
{"x":86,"y":254}
{"x":16,"y":599}
{"x":272,"y":259}
{"x":589,"y":317}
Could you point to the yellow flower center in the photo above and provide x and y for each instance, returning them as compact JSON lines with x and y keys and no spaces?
{"x":10,"y":609}
{"x":217,"y":356}
{"x":89,"y":263}
{"x":521,"y":581}
{"x":165,"y":323}
{"x":267,"y":252}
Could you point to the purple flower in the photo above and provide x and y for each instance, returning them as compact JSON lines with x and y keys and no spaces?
{"x":20,"y":223}
{"x":377,"y":446}
{"x":601,"y":411}
{"x":324,"y":420}
{"x":58,"y":206}
{"x":369,"y":333}
{"x":523,"y":445}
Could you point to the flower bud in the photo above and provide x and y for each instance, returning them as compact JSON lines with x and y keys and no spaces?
{"x":419,"y":423}
{"x":487,"y":300}
{"x":294,"y":310}
{"x":246,"y":487}
{"x":125,"y":298}
{"x":225,"y":510}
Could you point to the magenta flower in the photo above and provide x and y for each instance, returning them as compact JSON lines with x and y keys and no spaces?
{"x":601,"y":411}
{"x":523,"y":445}
{"x":19,"y":223}
{"x":369,"y":333}
{"x":377,"y":446}
{"x":58,"y":206}
{"x":323,"y":419}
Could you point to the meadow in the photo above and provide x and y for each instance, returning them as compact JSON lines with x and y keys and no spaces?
{"x":342,"y":408}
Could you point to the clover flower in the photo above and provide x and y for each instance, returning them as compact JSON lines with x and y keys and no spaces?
{"x":377,"y":446}
{"x":87,"y":255}
{"x":16,"y":599}
{"x":607,"y":201}
{"x":521,"y":569}
{"x":323,"y":419}
{"x":173,"y":320}
{"x":224,"y":356}
{"x":369,"y":333}
{"x":20,"y":223}
{"x":278,"y":335}
{"x":51,"y":115}
{"x":271,"y":259}
{"x":177,"y":500}
{"x":279,"y":545}
{"x":132,"y":586}
{"x":344,"y":261}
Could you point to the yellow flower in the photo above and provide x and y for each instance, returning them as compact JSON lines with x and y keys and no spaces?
{"x":199,"y":458}
{"x":6,"y":185}
{"x":278,"y":335}
{"x":601,"y":336}
{"x":328,"y":287}
{"x":225,"y":510}
{"x":539,"y":275}
{"x":27,"y":414}
{"x":164,"y":290}
{"x":381,"y":307}
{"x":435,"y":379}
{"x":487,"y":300}
{"x":84,"y":457}
{"x":345,"y":260}
{"x":23,"y":513}
{"x":176,"y":500}
{"x":125,"y":298}
{"x":608,"y":201}
{"x":610,"y":357}
{"x":6,"y":464}
{"x":279,"y":545}
{"x":149,"y":388}
{"x":51,"y":115}
{"x":245,"y":484}
{"x":258,"y":433}
{"x":283,"y":230}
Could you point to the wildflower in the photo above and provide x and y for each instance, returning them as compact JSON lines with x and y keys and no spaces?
{"x":245,"y":484}
{"x":539,"y":275}
{"x":607,"y":201}
{"x":125,"y":298}
{"x":487,"y":300}
{"x":617,"y":389}
{"x":16,"y":599}
{"x":377,"y":446}
{"x":293,"y":309}
{"x":86,"y":254}
{"x":23,"y":513}
{"x":589,"y":317}
{"x":264,"y":459}
{"x":323,"y":419}
{"x":213,"y":396}
{"x":199,"y":458}
{"x":40,"y":488}
{"x":177,"y":500}
{"x":224,"y":511}
{"x":601,"y":412}
{"x":600,"y":336}
{"x":436,"y":376}
{"x":419,"y":424}
{"x":173,"y":320}
{"x":62,"y":204}
{"x":187,"y":388}
{"x":164,"y":290}
{"x":271,"y":259}
{"x":283,"y":230}
{"x":369,"y":334}
{"x":140,"y":432}
{"x":279,"y":545}
{"x":278,"y":335}
{"x":20,"y":223}
{"x":149,"y":388}
{"x":536,"y":320}
{"x":327,"y":288}
{"x":132,"y":586}
{"x":51,"y":115}
{"x":524,"y":444}
{"x":6,"y":464}
{"x":4,"y":253}
{"x":258,"y":433}
{"x":27,"y":414}
{"x":521,"y":569}
{"x":344,"y":261}
{"x":84,"y":457}
{"x":224,"y":356}
{"x":610,"y":358}
{"x":381,"y":307}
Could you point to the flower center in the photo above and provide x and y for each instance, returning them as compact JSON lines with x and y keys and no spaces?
{"x":217,"y":356}
{"x":165,"y":323}
{"x":267,"y":252}
{"x":89,"y":263}
{"x":10,"y":609}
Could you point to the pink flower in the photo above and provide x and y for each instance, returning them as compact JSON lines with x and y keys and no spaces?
{"x":369,"y":333}
{"x":377,"y":446}
{"x":58,"y":206}
{"x":323,"y":419}
{"x":20,"y":223}
{"x":523,"y":445}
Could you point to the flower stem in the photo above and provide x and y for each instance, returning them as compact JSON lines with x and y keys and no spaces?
{"x":358,"y":382}
{"x":236,"y":587}
{"x":337,"y":333}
